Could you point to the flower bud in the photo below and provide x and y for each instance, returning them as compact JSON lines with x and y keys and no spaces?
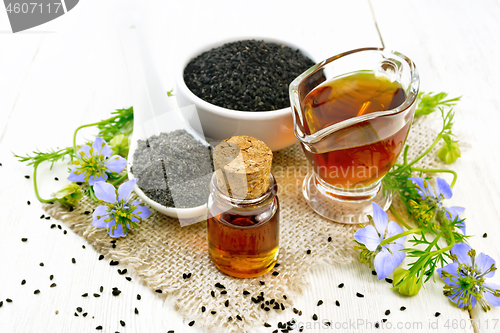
{"x":69,"y":195}
{"x":406,"y":285}
{"x":120,"y":145}
{"x":449,"y":152}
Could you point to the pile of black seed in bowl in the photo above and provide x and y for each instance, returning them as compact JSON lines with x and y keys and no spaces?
{"x":247,"y":75}
{"x":173,"y":169}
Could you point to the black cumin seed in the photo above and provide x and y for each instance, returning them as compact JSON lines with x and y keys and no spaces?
{"x":246,"y":292}
{"x":8,"y":300}
{"x":275,"y":331}
{"x":387,"y":312}
{"x":97,"y":295}
{"x":282,"y":306}
{"x":238,"y":317}
{"x":114,"y":246}
{"x":138,"y":297}
{"x":437,"y":314}
{"x":337,"y":303}
{"x":275,"y":273}
{"x":384,"y":320}
{"x":73,"y":260}
{"x":27,"y":176}
{"x":272,"y":301}
{"x":229,"y":318}
{"x":76,"y":314}
{"x":402,"y":308}
{"x":327,"y":323}
{"x":128,"y":278}
{"x":85,"y":295}
{"x":203,"y":309}
{"x":28,"y":202}
{"x":53,"y":285}
{"x":114,"y":263}
{"x":41,"y":264}
{"x":85,"y":314}
{"x":223,"y":292}
{"x":329,"y":239}
{"x":315,"y":317}
{"x":277,"y":265}
{"x":1,"y":303}
{"x":79,"y":183}
{"x":267,"y":325}
{"x":189,"y":275}
{"x":83,"y":247}
{"x":86,"y":212}
{"x":255,"y":300}
{"x":122,"y":323}
{"x":36,"y":292}
{"x":65,"y":232}
{"x":300,"y":313}
{"x":99,"y":328}
{"x":213,"y":312}
{"x":262,"y":283}
{"x":116,"y":292}
{"x":59,"y":227}
{"x":308,"y":251}
{"x":123,"y":271}
{"x":212,"y":293}
{"x":295,"y":311}
{"x":341,"y":285}
{"x":218,"y":285}
{"x":284,"y":296}
{"x":276,"y":306}
{"x":24,"y":239}
{"x":262,"y":306}
{"x":101,"y":289}
{"x":485,"y":235}
{"x":48,"y":218}
{"x":184,"y":276}
{"x":377,"y":325}
{"x":136,"y":311}
{"x":374,"y":273}
{"x":55,"y":178}
{"x":320,"y":302}
{"x":101,"y":257}
{"x":42,"y":216}
{"x":191,"y":323}
{"x":52,"y":226}
{"x":159,"y":291}
{"x":266,"y":308}
{"x":226,"y":303}
{"x":360,"y":295}
{"x":79,"y":309}
{"x":388,"y":280}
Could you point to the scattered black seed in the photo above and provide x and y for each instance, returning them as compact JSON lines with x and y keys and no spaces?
{"x":97,"y":295}
{"x":116,"y":292}
{"x":52,"y":226}
{"x":114,"y":246}
{"x":272,"y":301}
{"x":58,"y":226}
{"x":437,"y":314}
{"x":53,"y":285}
{"x":76,"y":314}
{"x":275,"y":273}
{"x":123,"y":271}
{"x":79,"y":309}
{"x":41,"y":264}
{"x":315,"y":317}
{"x":86,"y":212}
{"x":65,"y":232}
{"x":275,"y":331}
{"x":267,"y":308}
{"x":337,"y":303}
{"x":329,"y":239}
{"x":24,"y":239}
{"x":113,"y":241}
{"x":295,"y":311}
{"x":377,"y":325}
{"x":136,"y":311}
{"x":85,"y":295}
{"x":101,"y":289}
{"x":384,"y":320}
{"x":73,"y":260}
{"x":212,"y":293}
{"x":85,"y":314}
{"x":320,"y":302}
{"x":255,"y":300}
{"x":262,"y":306}
{"x":138,"y":297}
{"x":79,"y":183}
{"x":276,"y":306}
{"x":159,"y":291}
{"x":23,"y":282}
{"x":238,"y":317}
{"x":388,"y":280}
{"x":213,"y":312}
{"x":189,"y":275}
{"x":27,"y":177}
{"x":203,"y":309}
{"x":223,"y":292}
{"x":226,"y":303}
{"x":300,"y":313}
{"x":101,"y":257}
{"x":282,"y":306}
{"x":229,"y":318}
{"x":374,"y":273}
{"x":246,"y":292}
{"x":99,"y":328}
{"x":42,"y":216}
{"x":48,"y":218}
{"x":191,"y":323}
{"x":341,"y":285}
{"x":55,"y":178}
{"x":122,"y":323}
{"x":387,"y":312}
{"x":485,"y":235}
{"x":402,"y":308}
{"x":267,"y":325}
{"x":184,"y":276}
{"x":1,"y":303}
{"x":360,"y":295}
{"x":28,"y":202}
{"x":262,"y":283}
{"x":83,"y":247}
{"x":327,"y":323}
{"x":128,"y":278}
{"x":308,"y":251}
{"x":113,"y":263}
{"x":8,"y":300}
{"x":37,"y":292}
{"x":284,"y":296}
{"x":218,"y":285}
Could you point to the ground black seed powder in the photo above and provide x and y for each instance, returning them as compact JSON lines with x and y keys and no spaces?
{"x":178,"y":156}
{"x":246,"y":75}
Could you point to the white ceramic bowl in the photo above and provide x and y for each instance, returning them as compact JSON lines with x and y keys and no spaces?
{"x":275,"y":128}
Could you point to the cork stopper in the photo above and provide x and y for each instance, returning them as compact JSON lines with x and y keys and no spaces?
{"x":242,"y":167}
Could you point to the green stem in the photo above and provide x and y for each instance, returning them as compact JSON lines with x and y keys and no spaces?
{"x":398,"y":217}
{"x":35,"y":167}
{"x":439,"y":170}
{"x":118,"y":180}
{"x":407,"y":232}
{"x":421,"y":155}
{"x":76,"y":131}
{"x":92,"y":194}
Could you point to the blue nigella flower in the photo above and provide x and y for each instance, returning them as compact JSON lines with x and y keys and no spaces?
{"x":118,"y":214}
{"x":465,"y":278}
{"x":431,"y":206}
{"x":387,"y":256}
{"x":95,"y":162}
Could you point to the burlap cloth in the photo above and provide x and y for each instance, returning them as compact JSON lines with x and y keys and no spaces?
{"x":160,"y":251}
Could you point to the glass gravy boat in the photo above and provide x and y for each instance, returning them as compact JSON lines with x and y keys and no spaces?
{"x":352,"y":114}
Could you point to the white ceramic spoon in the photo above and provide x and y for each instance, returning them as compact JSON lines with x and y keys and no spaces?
{"x":153,"y":111}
